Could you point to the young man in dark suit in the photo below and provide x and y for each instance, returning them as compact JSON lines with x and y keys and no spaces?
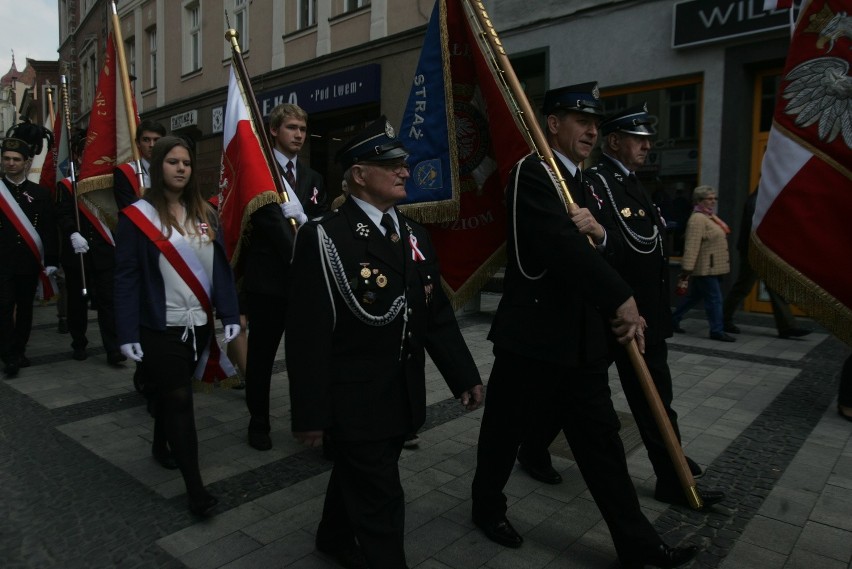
{"x":365,"y":305}
{"x":267,"y":263}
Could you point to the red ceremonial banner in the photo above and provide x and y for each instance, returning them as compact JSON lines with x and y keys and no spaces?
{"x":801,"y":223}
{"x":489,"y":143}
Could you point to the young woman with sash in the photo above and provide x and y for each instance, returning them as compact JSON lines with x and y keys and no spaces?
{"x":171,"y":272}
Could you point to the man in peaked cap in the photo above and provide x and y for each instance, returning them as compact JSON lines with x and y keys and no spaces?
{"x":365,"y":305}
{"x":644,"y":265}
{"x":558,"y":293}
{"x":28,"y":250}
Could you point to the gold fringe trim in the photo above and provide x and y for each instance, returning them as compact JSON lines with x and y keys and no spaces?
{"x":255,"y":204}
{"x":798,"y":289}
{"x":433,"y":212}
{"x":102,"y":182}
{"x":477,"y":280}
{"x":199,"y":386}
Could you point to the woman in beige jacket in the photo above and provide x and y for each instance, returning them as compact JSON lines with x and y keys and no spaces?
{"x":705,"y":261}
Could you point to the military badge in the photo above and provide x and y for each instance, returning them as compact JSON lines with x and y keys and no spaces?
{"x":626,"y":212}
{"x":381,"y":281}
{"x":365,"y":272}
{"x":362,"y":229}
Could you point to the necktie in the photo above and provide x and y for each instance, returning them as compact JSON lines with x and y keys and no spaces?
{"x":289,"y":175}
{"x":390,"y":228}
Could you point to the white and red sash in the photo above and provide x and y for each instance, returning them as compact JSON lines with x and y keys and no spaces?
{"x":96,"y":222}
{"x":129,"y":169}
{"x":213,"y":365}
{"x":9,"y":205}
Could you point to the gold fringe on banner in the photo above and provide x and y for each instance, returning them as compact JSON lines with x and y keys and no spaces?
{"x":798,"y":289}
{"x":477,"y":280}
{"x":102,"y":182}
{"x":255,"y":204}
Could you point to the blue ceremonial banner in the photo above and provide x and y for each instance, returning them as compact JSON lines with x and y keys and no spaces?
{"x":427,"y":124}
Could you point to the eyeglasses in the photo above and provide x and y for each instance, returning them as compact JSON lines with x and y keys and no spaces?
{"x":396,"y":168}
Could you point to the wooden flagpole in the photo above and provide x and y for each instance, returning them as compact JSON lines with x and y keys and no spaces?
{"x":129,"y":109}
{"x":514,"y":93}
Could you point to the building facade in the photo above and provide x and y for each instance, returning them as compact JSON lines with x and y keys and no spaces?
{"x":708,"y":69}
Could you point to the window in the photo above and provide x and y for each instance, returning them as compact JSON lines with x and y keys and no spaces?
{"x":88,"y":77}
{"x":307,"y":14}
{"x":350,"y":5}
{"x":152,"y":58}
{"x":192,"y":37}
{"x":241,"y":23}
{"x":130,"y":56}
{"x":683,"y":112}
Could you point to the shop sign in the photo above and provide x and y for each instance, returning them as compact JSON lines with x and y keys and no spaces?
{"x":183,"y":120}
{"x":699,"y":22}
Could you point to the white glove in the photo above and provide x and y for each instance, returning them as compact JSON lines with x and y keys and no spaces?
{"x":132,"y":351}
{"x":231,"y":332}
{"x":79,"y":243}
{"x":295,"y":211}
{"x":49,"y":271}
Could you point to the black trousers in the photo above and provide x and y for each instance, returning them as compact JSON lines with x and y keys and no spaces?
{"x":581,"y":400}
{"x":364,"y":500}
{"x":656,"y":357}
{"x":99,"y":286}
{"x":17,"y":293}
{"x":266,"y":317}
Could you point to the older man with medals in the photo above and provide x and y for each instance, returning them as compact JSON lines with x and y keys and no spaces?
{"x":643,"y":263}
{"x":365,"y":305}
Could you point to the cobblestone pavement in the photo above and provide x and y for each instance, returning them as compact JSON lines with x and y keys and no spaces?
{"x":78,"y":487}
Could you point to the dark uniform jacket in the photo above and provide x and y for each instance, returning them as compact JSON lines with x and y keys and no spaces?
{"x":125,"y":185}
{"x":101,"y":253}
{"x":558,"y":290}
{"x":16,"y":258}
{"x":360,"y":319}
{"x":641,"y":261}
{"x":308,"y":180}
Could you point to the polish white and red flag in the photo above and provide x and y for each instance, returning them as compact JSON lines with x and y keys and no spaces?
{"x":802,"y":230}
{"x":245,"y":182}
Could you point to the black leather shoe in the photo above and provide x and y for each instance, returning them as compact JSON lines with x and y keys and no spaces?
{"x":24,"y":361}
{"x":546,"y":473}
{"x":731,"y":328}
{"x":664,"y":556}
{"x":678,"y":329}
{"x":202,"y":504}
{"x":844,"y":412}
{"x":722,"y":337}
{"x":164,"y":458}
{"x":793,"y":333}
{"x":11,"y":370}
{"x":259,"y":441}
{"x":79,"y":354}
{"x":500,"y":531}
{"x":115,"y":358}
{"x":675,"y":495}
{"x":350,"y":557}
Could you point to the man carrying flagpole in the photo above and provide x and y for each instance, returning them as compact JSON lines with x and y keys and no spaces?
{"x":268,"y":260}
{"x":28,"y":251}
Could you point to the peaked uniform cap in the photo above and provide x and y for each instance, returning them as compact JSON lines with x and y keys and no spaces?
{"x":581,"y":98}
{"x":376,"y":143}
{"x":17,"y":145}
{"x":634,"y":120}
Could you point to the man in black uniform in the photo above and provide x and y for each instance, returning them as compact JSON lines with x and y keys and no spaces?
{"x":550,"y":340}
{"x":365,"y":304}
{"x":267,"y":263}
{"x":645,"y":266}
{"x":28,"y":251}
{"x":93,"y":239}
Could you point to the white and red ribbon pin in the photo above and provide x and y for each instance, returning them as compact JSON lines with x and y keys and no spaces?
{"x":416,"y":254}
{"x":314,"y":196}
